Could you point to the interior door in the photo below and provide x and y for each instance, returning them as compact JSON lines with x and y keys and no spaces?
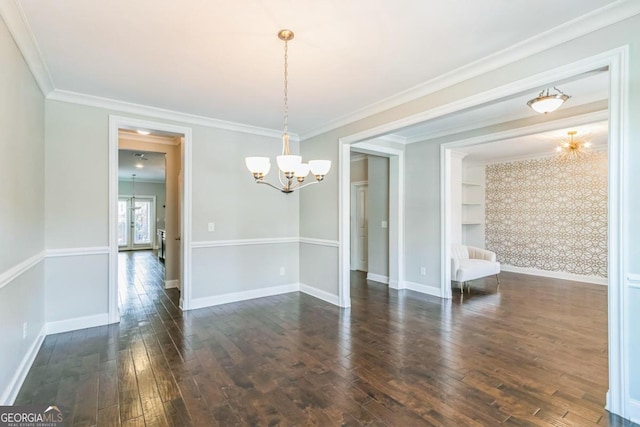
{"x":362,"y":224}
{"x":136,"y":222}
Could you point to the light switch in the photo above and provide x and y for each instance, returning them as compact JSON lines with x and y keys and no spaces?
{"x":212,"y":226}
{"x":384,"y":224}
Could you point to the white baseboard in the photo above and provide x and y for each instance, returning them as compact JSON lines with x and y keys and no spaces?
{"x":77,"y":323}
{"x":242,"y":296}
{"x":394,"y":284}
{"x":423,"y":289}
{"x":633,"y":410}
{"x":555,"y":274}
{"x":11,"y":392}
{"x":169,"y":284}
{"x":320,"y":294}
{"x":378,"y":278}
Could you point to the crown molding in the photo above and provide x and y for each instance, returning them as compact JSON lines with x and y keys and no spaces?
{"x":161,"y":113}
{"x":13,"y":15}
{"x":533,"y":156}
{"x":570,"y":30}
{"x":398,"y":139}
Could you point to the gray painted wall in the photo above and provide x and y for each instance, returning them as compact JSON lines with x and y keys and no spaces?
{"x":223,"y":192}
{"x":21,"y":208}
{"x":378,"y":210}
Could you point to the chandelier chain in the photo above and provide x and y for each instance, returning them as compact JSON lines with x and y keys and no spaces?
{"x":286,"y":87}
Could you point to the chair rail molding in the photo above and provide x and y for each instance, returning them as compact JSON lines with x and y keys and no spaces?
{"x":11,"y":274}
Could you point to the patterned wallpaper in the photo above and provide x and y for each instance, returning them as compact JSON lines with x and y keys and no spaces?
{"x":549,"y":214}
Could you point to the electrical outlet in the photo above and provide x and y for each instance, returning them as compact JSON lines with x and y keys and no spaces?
{"x":24,"y":330}
{"x":282,"y":271}
{"x":423,"y":271}
{"x":212,"y":226}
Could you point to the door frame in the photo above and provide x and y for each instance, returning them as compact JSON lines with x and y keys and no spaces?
{"x":354,"y":233}
{"x":115,"y":124}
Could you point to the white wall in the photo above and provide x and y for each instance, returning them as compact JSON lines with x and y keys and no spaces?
{"x":378,"y":211}
{"x":422,"y":237}
{"x":21,"y":214}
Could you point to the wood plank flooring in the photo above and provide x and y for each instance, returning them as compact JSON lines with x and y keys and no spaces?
{"x":534,"y":353}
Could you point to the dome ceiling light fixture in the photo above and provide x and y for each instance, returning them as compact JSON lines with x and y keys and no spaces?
{"x":291,"y":170}
{"x":547,"y":102}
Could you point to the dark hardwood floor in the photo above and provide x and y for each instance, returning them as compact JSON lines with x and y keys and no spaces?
{"x":534,"y":353}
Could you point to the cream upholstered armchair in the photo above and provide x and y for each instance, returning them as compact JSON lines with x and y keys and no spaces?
{"x":469,"y":263}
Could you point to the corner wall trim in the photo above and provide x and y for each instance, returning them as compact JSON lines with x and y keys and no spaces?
{"x":169,"y":284}
{"x":11,"y":392}
{"x":242,"y":296}
{"x":320,"y":242}
{"x":243,"y":242}
{"x":11,"y":274}
{"x":378,"y":278}
{"x":320,"y":294}
{"x":77,"y":323}
{"x":95,"y":250}
{"x":555,"y":274}
{"x":423,"y":289}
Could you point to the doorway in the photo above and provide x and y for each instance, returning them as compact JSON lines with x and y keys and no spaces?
{"x":616,"y":61}
{"x":139,"y":211}
{"x":359,"y":226}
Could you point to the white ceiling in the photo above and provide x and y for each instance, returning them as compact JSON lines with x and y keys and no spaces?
{"x":222,"y":59}
{"x":538,"y":145}
{"x":586,"y":89}
{"x":153,"y":169}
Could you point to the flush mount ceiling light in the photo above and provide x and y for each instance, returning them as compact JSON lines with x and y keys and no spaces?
{"x":290,"y":167}
{"x":547,"y":102}
{"x":140,"y":157}
{"x":572,"y":148}
{"x":143,"y":132}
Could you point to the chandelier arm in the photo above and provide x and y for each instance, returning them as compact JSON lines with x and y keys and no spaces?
{"x":298,"y":187}
{"x":269,"y":184}
{"x":280,"y":178}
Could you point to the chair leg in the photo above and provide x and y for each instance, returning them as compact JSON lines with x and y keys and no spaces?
{"x":461,"y":288}
{"x":468,"y":287}
{"x":498,"y":279}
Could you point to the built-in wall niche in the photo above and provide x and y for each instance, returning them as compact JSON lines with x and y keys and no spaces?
{"x":473,"y":204}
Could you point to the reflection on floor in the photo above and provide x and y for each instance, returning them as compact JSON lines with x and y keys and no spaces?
{"x":533,"y":353}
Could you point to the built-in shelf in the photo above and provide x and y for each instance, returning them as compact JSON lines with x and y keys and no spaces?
{"x":474,"y":184}
{"x":471,"y":204}
{"x":471,"y":223}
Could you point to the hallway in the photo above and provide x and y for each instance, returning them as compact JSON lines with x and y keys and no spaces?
{"x":533,"y":353}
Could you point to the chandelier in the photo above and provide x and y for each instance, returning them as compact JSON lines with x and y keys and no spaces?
{"x":572,"y":148}
{"x":547,"y":102}
{"x":291,"y":171}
